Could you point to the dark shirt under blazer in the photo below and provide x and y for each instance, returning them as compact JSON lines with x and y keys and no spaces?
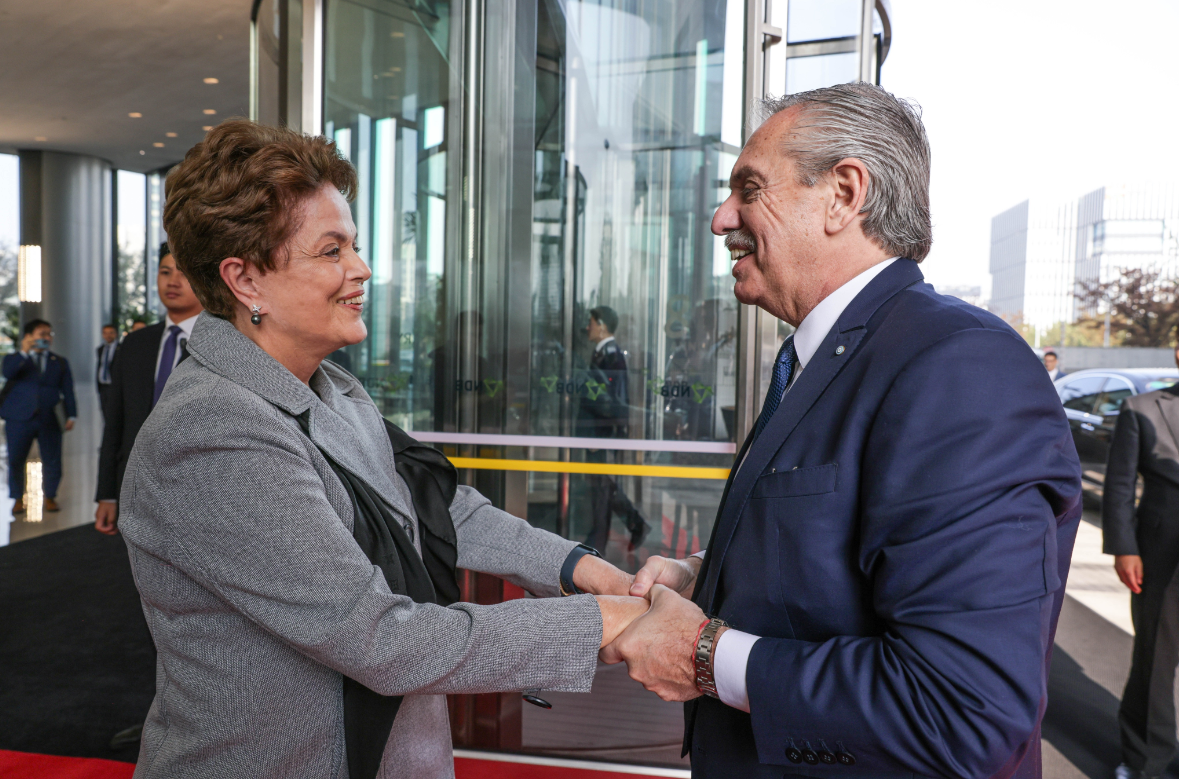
{"x":900,"y":535}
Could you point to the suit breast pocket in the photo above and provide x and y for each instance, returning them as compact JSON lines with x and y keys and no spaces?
{"x":795,"y":483}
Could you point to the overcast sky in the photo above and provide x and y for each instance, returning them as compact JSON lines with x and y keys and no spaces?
{"x":1047,"y":99}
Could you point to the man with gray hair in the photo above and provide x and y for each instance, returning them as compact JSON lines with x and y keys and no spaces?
{"x":888,"y":561}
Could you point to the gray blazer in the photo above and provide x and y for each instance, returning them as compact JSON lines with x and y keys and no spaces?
{"x":1146,"y":441}
{"x":259,"y":599}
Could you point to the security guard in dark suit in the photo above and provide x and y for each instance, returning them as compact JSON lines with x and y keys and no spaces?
{"x":1145,"y":543}
{"x":604,"y":412}
{"x":37,"y":380}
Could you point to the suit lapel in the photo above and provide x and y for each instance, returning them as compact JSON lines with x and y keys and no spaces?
{"x":1169,"y":409}
{"x":822,"y":369}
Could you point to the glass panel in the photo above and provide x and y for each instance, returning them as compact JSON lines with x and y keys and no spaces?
{"x":1080,"y":394}
{"x":130,"y":235}
{"x":155,"y":236}
{"x":267,"y":34}
{"x":387,"y":95}
{"x":811,"y":20}
{"x":824,"y":70}
{"x":1110,"y":403}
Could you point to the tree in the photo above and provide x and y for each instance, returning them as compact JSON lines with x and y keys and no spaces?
{"x":1143,"y":306}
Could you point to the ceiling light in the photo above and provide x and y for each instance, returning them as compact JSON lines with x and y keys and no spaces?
{"x":170,"y":135}
{"x":398,"y":34}
{"x":210,"y":111}
{"x":135,"y":115}
{"x":141,"y":151}
{"x":211,"y":81}
{"x":40,"y":138}
{"x":28,"y":273}
{"x":158,"y":145}
{"x":207,"y":127}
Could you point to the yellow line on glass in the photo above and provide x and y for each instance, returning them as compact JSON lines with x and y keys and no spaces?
{"x":607,"y":469}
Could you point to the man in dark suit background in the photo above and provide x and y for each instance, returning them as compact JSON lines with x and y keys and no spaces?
{"x":888,"y":561}
{"x":142,"y":366}
{"x":106,"y":357}
{"x":604,"y":412}
{"x":1145,"y":545}
{"x":37,"y":380}
{"x":1050,"y":363}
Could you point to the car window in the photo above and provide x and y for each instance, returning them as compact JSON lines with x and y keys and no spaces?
{"x":1081,"y":394}
{"x":1158,"y":384}
{"x":1110,"y":403}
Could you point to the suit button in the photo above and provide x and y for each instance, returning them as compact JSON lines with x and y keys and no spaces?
{"x":793,"y":754}
{"x":845,"y":758}
{"x":826,"y":757}
{"x":809,"y":756}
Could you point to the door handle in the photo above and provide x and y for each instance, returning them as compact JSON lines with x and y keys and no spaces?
{"x":1086,"y":426}
{"x":772,"y":34}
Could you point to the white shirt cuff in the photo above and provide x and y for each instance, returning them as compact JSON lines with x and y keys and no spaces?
{"x":700,"y":554}
{"x":729,"y":661}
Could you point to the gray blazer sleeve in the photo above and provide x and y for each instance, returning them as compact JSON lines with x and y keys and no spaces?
{"x":1118,"y":521}
{"x":249,"y":520}
{"x":495,"y":542}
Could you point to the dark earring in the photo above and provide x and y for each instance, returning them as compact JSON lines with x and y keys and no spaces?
{"x":257,"y":317}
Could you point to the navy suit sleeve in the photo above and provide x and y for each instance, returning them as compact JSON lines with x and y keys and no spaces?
{"x":966,"y":469}
{"x":114,"y":415}
{"x":1118,"y":523}
{"x":67,"y":389}
{"x":15,"y":365}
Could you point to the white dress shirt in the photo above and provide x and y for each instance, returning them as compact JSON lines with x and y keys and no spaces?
{"x":731,"y":656}
{"x":185,"y":333}
{"x":602,"y":344}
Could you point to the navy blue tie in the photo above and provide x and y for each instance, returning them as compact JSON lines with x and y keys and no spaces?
{"x":783,"y":367}
{"x":166,"y":363}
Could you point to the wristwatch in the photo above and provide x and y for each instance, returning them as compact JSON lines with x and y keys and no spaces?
{"x":566,"y":579}
{"x":705,"y":649}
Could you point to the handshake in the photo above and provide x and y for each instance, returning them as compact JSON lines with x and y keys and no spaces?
{"x":648,"y":621}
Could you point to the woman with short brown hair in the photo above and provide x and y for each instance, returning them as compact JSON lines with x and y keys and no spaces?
{"x":296,"y":555}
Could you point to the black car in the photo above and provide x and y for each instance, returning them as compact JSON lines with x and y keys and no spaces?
{"x":1092,"y":400}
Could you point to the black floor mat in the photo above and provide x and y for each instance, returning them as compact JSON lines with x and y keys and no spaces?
{"x":76,"y":659}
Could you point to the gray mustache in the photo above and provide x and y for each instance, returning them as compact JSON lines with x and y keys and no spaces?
{"x":741,"y":238}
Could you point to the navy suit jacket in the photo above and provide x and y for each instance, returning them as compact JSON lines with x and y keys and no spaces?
{"x":900,"y":535}
{"x":34,"y":391}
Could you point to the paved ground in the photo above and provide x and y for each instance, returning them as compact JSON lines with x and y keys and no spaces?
{"x":1092,"y":656}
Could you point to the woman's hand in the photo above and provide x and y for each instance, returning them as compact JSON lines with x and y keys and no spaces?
{"x":618,"y":611}
{"x":598,"y":577}
{"x":678,"y":575}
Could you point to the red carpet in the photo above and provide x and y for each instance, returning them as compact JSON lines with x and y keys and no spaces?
{"x":23,"y":765}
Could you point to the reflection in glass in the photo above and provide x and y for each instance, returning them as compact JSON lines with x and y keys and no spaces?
{"x":806,"y":73}
{"x":130,"y":234}
{"x":812,"y":20}
{"x":387,"y":87}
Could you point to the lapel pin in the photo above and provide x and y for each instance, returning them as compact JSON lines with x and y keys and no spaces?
{"x":839,"y":350}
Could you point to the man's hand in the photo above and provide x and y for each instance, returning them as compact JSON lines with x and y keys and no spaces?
{"x":658,"y":646}
{"x":678,"y":575}
{"x":618,"y":611}
{"x":1129,"y":568}
{"x":106,"y":518}
{"x":69,"y":425}
{"x":598,"y":577}
{"x":26,"y":343}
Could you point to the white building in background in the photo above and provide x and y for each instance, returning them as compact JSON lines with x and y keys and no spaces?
{"x":1032,"y":275}
{"x":1039,"y":253}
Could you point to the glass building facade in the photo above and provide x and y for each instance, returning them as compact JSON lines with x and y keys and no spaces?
{"x":525,"y":165}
